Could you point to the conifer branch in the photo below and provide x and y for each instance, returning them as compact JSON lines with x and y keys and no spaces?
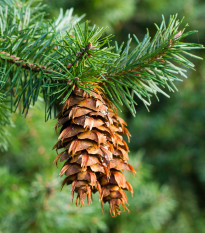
{"x":24,"y":64}
{"x":151,"y":66}
{"x":49,"y":59}
{"x":26,"y":41}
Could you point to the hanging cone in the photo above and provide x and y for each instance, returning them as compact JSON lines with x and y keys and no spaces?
{"x":93,"y":149}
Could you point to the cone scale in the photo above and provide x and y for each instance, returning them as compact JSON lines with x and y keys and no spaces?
{"x":93,"y":150}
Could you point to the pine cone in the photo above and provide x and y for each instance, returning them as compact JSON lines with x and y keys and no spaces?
{"x":93,"y":149}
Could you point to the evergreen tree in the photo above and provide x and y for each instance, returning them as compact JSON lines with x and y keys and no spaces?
{"x":86,"y":78}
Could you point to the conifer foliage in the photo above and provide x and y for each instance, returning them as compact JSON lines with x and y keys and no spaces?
{"x":87,"y":77}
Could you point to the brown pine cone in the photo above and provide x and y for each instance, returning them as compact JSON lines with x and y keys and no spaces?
{"x":93,"y":149}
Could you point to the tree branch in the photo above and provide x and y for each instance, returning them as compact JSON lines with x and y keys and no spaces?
{"x":37,"y":68}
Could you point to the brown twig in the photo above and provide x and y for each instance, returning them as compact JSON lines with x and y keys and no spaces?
{"x":27,"y":65}
{"x":37,"y":68}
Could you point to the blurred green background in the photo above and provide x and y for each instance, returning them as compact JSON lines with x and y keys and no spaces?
{"x":167,"y":145}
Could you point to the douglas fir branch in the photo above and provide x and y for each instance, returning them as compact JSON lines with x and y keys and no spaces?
{"x":85,"y":78}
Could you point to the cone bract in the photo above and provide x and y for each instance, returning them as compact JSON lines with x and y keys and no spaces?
{"x":93,"y":149}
